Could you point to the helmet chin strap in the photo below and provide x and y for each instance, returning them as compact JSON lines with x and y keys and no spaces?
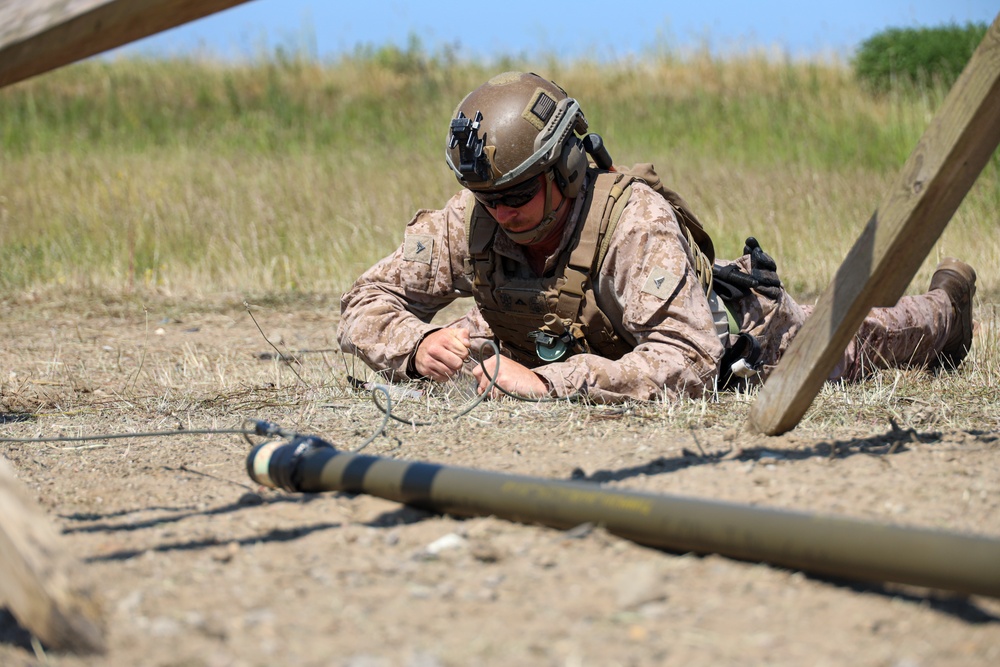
{"x":540,"y":231}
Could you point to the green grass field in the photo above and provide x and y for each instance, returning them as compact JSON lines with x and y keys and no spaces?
{"x":285,"y":177}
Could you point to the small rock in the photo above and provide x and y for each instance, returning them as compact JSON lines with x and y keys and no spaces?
{"x":250,"y":499}
{"x":163,"y":626}
{"x":485,"y":552}
{"x":638,"y":585}
{"x":227,"y":554}
{"x":420,"y":592}
{"x":445,"y":543}
{"x":130,"y":603}
{"x":258,"y":617}
{"x":421,"y":659}
{"x":365,"y":660}
{"x":546,"y":561}
{"x":579,"y":532}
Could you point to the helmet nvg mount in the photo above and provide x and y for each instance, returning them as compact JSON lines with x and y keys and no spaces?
{"x":514,"y":127}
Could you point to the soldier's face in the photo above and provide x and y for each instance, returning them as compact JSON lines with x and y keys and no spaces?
{"x":526,"y":217}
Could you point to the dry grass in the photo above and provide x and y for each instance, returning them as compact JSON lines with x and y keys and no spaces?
{"x":215,"y":369}
{"x":191,"y":225}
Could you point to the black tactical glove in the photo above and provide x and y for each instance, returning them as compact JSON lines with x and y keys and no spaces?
{"x":730,"y":283}
{"x":763,"y":270}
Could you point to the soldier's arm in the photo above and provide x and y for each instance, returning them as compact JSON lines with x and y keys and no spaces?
{"x":388,"y":310}
{"x":664,"y":309}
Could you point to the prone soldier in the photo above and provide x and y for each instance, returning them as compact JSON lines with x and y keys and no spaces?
{"x":598,"y":281}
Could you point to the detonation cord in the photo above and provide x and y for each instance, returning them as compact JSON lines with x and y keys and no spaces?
{"x":250,"y":427}
{"x":387,"y":409}
{"x":147,"y":434}
{"x":486,"y":393}
{"x":493,"y":383}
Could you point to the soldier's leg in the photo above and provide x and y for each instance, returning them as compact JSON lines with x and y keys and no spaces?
{"x":911,"y":333}
{"x":919,"y":331}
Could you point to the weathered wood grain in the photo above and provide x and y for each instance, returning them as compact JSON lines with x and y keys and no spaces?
{"x":39,"y":35}
{"x":37,"y":576}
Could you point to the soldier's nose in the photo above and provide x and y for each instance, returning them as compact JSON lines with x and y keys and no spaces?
{"x":504,"y":214}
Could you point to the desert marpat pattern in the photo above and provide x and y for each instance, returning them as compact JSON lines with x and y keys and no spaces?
{"x":388,"y":310}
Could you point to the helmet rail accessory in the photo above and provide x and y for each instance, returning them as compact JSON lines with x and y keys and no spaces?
{"x":473,"y":164}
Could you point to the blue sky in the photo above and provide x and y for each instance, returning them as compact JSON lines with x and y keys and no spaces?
{"x":485,"y":29}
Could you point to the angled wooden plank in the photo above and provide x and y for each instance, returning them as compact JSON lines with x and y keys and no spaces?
{"x":36,"y":580}
{"x":936,"y":177}
{"x":39,"y":35}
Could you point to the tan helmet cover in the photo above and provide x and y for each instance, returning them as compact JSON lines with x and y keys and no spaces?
{"x":512,"y":128}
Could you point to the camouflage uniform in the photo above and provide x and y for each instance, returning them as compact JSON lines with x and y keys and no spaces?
{"x":647,"y":285}
{"x":911,"y":333}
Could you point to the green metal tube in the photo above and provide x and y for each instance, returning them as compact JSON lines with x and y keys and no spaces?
{"x":835,"y":546}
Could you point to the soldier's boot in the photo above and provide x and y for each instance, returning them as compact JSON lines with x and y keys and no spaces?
{"x":958,"y":280}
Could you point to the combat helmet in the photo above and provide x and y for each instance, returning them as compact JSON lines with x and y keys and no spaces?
{"x":510,"y":130}
{"x":514,"y":127}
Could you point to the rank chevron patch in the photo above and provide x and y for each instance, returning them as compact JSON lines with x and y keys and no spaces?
{"x":418,"y":248}
{"x":660,"y":283}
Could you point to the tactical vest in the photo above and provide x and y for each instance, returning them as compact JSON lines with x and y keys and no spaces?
{"x":543,"y":319}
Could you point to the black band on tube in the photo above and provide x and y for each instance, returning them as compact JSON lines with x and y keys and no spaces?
{"x":353,"y":477}
{"x":417,"y":482}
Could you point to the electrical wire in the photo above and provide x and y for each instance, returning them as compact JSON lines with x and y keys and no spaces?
{"x":460,"y":413}
{"x":250,"y":427}
{"x":492,"y":377}
{"x":493,"y":383}
{"x":147,"y":434}
{"x":385,"y":417}
{"x":269,"y":429}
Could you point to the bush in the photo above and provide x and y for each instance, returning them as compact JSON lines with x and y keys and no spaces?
{"x":920,"y":57}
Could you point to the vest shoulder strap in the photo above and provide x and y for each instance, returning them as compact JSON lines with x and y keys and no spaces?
{"x":479,"y":226}
{"x":699,"y":240}
{"x":645,"y":172}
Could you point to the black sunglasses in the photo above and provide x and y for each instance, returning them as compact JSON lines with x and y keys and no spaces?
{"x":514,"y":197}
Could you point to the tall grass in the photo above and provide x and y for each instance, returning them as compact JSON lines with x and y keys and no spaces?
{"x":288,"y":176}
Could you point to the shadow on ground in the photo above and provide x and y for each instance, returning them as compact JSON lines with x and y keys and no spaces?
{"x":895,"y":441}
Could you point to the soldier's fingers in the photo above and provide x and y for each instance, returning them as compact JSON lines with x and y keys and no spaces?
{"x":447,"y":365}
{"x":483,"y":384}
{"x":439,"y":373}
{"x":480,"y":376}
{"x":456,"y":345}
{"x":451,"y":360}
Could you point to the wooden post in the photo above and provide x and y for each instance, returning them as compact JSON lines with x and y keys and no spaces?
{"x":40,"y":35}
{"x":36,"y":578}
{"x":936,"y":177}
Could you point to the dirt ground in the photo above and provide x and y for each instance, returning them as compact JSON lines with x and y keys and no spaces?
{"x":196,"y":565}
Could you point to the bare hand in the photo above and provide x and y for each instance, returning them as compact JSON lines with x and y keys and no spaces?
{"x":512,"y":376}
{"x":441,"y":354}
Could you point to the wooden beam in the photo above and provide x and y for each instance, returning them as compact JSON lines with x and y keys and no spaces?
{"x":36,"y":579}
{"x":936,"y":177}
{"x":39,"y":35}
